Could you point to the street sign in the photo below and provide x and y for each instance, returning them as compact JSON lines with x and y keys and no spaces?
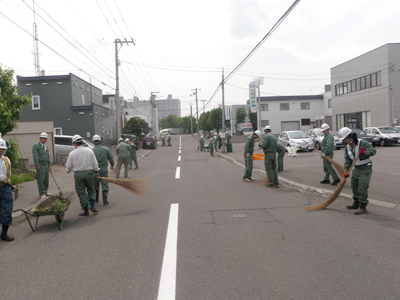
{"x":227,"y":112}
{"x":253,"y":97}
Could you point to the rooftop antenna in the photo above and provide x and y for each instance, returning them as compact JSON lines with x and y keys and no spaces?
{"x":35,"y":43}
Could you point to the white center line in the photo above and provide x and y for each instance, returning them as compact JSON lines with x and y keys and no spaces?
{"x":179,"y":158}
{"x":167,"y":289}
{"x":180,"y":151}
{"x":178,"y":173}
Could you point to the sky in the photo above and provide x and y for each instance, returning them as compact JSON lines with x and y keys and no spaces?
{"x":182,"y":45}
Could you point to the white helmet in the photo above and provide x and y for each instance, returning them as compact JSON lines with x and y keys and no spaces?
{"x":3,"y":144}
{"x":76,"y":138}
{"x":120,"y":140}
{"x":202,"y":136}
{"x":267,"y":128}
{"x":96,"y":138}
{"x":324,"y":127}
{"x":344,"y":132}
{"x":258,"y":132}
{"x":127,"y":140}
{"x":44,"y":135}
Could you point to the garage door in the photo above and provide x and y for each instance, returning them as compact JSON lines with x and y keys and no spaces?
{"x":290,"y":125}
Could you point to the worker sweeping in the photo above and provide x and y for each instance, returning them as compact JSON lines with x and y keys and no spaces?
{"x":248,"y":155}
{"x":281,"y":150}
{"x":85,"y":166}
{"x":327,"y":145}
{"x":6,"y":198}
{"x":210,"y":147}
{"x":269,"y":146}
{"x":124,"y":156}
{"x":201,"y":142}
{"x":216,"y":142}
{"x":362,"y":171}
{"x":103,"y":156}
{"x":41,"y":158}
{"x":169,"y":140}
{"x":133,"y":154}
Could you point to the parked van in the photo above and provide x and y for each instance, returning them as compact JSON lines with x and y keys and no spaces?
{"x":63,"y":144}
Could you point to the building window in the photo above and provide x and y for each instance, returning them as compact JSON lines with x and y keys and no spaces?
{"x":284,"y":106}
{"x":329,"y":103}
{"x":305,"y":122}
{"x":305,"y":105}
{"x":57,"y":131}
{"x":264,"y":123}
{"x":365,"y":82}
{"x":35,"y":102}
{"x":264,"y":107}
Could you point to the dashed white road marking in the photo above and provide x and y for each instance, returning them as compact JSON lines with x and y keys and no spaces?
{"x":167,"y":289}
{"x":179,"y":158}
{"x":178,"y":173}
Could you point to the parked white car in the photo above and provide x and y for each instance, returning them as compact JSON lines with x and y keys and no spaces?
{"x":63,"y":144}
{"x":383,"y":135}
{"x":295,"y":139}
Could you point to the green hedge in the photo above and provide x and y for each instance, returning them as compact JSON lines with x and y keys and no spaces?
{"x":19,"y":178}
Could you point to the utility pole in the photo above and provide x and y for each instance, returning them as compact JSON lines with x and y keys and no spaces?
{"x":191,"y":120}
{"x":117,"y":103}
{"x":197,"y":109}
{"x":223,"y":109}
{"x":153,"y":113}
{"x":203,"y":104}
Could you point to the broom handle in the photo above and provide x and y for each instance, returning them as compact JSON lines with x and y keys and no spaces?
{"x":54,"y":180}
{"x":354,"y":161}
{"x":313,"y":147}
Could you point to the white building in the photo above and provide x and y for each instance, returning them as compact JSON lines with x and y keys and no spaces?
{"x":366,"y":89}
{"x":168,"y":107}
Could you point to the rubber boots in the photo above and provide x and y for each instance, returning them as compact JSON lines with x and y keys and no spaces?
{"x":4,"y":236}
{"x":361,"y":210}
{"x":92,"y":208}
{"x":85,"y":212}
{"x":355,"y":205}
{"x":97,"y":196}
{"x":105,"y":197}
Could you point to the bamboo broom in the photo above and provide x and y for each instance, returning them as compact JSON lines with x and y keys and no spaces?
{"x":339,"y":168}
{"x":334,"y":195}
{"x":266,"y":180}
{"x":137,"y":186}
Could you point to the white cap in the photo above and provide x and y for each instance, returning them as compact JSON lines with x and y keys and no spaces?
{"x":96,"y":137}
{"x":344,"y":132}
{"x":258,"y":132}
{"x":44,"y":135}
{"x":76,"y":138}
{"x":3,"y":144}
{"x":324,"y":127}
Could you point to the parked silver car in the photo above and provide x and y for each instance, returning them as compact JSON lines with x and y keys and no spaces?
{"x":317,"y":136}
{"x":383,"y":135}
{"x":63,"y":144}
{"x":295,"y":139}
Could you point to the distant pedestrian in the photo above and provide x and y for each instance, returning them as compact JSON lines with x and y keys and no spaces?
{"x":133,"y":155}
{"x":327,"y":146}
{"x":41,"y":158}
{"x":201,"y":142}
{"x":84,"y":164}
{"x":248,"y":155}
{"x":210,"y":147}
{"x":103,"y":156}
{"x":124,"y":156}
{"x":169,"y":140}
{"x":220,"y":141}
{"x":228,"y":138}
{"x":269,"y":146}
{"x":6,"y":198}
{"x":162,"y":140}
{"x":281,"y":153}
{"x":216,"y":142}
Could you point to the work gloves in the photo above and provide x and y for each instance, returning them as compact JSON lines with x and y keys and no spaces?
{"x":112,"y":168}
{"x":362,"y":151}
{"x":3,"y":178}
{"x":346,"y":174}
{"x":322,"y":156}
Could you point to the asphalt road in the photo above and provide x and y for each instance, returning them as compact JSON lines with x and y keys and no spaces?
{"x":233,"y":240}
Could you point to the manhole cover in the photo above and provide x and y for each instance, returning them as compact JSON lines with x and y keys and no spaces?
{"x":240,"y":216}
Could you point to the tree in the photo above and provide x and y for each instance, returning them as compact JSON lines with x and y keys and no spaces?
{"x":10,"y":103}
{"x":240,"y":115}
{"x":215,"y":119}
{"x":203,"y":121}
{"x":187,"y":125}
{"x":171,"y":121}
{"x":136,"y":126}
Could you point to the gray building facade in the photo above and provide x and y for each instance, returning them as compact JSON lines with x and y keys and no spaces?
{"x":74,"y":105}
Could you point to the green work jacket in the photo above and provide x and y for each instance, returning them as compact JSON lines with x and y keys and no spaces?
{"x":103,"y":156}
{"x":269,"y":143}
{"x":41,"y":155}
{"x":327,"y":145}
{"x":124,"y":149}
{"x":249,"y":146}
{"x":280,"y":148}
{"x":369,"y":151}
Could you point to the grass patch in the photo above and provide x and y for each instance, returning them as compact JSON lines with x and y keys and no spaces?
{"x":23,"y":177}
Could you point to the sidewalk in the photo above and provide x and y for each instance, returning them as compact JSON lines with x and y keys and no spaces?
{"x":28,"y":191}
{"x":303,"y":173}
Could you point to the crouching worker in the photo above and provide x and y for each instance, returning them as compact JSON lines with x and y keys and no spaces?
{"x":6,"y":198}
{"x":103,"y":156}
{"x":248,"y":155}
{"x":84,"y":163}
{"x":362,"y":171}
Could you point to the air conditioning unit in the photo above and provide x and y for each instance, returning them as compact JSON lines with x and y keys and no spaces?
{"x":395,"y":121}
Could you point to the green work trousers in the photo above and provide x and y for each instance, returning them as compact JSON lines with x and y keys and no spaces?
{"x":280,"y":160}
{"x":84,"y":186}
{"x":104,"y":184}
{"x":328,"y":169}
{"x":134,"y":159}
{"x":360,"y":178}
{"x":123,"y":160}
{"x":211,"y":149}
{"x":270,"y":168}
{"x":42,"y":179}
{"x":248,"y":163}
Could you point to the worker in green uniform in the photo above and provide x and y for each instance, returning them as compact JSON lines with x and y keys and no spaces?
{"x":281,"y":153}
{"x":327,"y":146}
{"x":362,"y":170}
{"x":169,"y":140}
{"x":211,"y":147}
{"x":133,"y":154}
{"x":248,"y":155}
{"x":41,"y":158}
{"x":201,"y":142}
{"x":228,"y":138}
{"x":124,"y":156}
{"x":103,"y":156}
{"x":216,"y":142}
{"x":84,"y":163}
{"x":6,"y":197}
{"x":269,"y":146}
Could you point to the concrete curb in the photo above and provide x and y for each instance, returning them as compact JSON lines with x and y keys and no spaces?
{"x":302,"y":188}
